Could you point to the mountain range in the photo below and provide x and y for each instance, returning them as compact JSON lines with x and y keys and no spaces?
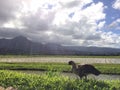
{"x":22,"y":45}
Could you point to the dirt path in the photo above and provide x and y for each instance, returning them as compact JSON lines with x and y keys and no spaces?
{"x":62,"y":60}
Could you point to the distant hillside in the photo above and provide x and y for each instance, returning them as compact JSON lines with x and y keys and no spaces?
{"x":21,"y":45}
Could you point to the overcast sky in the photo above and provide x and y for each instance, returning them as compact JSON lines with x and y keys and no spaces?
{"x":67,"y":22}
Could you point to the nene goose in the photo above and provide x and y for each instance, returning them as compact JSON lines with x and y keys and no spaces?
{"x":83,"y":70}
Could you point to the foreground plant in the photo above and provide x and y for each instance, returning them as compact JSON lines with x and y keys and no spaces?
{"x":52,"y":81}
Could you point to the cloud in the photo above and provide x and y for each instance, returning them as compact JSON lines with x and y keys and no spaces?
{"x":116,"y":4}
{"x":114,"y":25}
{"x":67,"y":22}
{"x":74,"y":3}
{"x":10,"y":32}
{"x":82,"y":26}
{"x":110,"y":39}
{"x":38,"y":21}
{"x":8,"y":9}
{"x":101,"y":24}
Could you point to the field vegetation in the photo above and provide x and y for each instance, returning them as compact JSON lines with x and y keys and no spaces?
{"x":62,"y":67}
{"x":52,"y":81}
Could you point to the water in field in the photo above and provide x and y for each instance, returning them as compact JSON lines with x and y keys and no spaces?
{"x":71,"y":75}
{"x":62,"y":60}
{"x":100,"y":77}
{"x":105,"y":77}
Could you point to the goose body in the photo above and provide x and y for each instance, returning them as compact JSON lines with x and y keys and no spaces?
{"x":83,"y":70}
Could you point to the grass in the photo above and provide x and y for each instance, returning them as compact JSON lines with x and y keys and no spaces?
{"x":104,"y":68}
{"x":108,"y":68}
{"x":35,"y":66}
{"x":53,"y":81}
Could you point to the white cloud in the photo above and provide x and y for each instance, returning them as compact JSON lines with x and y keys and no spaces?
{"x":49,"y":21}
{"x":95,"y":12}
{"x":101,"y":24}
{"x":116,"y":4}
{"x":110,"y":39}
{"x":115,"y":25}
